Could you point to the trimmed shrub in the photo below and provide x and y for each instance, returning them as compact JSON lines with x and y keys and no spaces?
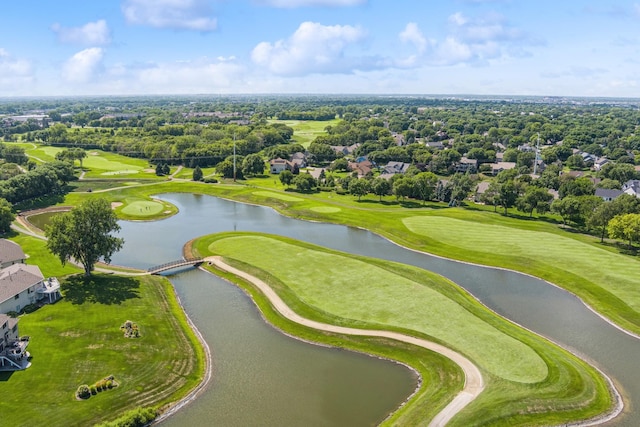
{"x":136,"y":418}
{"x":83,"y":392}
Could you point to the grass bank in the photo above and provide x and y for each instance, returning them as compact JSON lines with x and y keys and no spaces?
{"x":523,"y":371}
{"x":78,"y":341}
{"x":439,"y":230}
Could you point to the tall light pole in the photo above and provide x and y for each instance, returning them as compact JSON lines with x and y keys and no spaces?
{"x":234,"y":157}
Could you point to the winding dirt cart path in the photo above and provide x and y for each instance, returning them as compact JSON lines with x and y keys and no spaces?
{"x":474,"y":383}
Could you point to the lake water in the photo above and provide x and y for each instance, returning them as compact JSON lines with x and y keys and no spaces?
{"x":530,"y":302}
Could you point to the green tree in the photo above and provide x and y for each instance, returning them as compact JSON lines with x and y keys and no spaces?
{"x":461,"y":186}
{"x":425,"y":185}
{"x":403,"y":187}
{"x":286,"y":177}
{"x":534,"y":198}
{"x":601,"y":216}
{"x":625,"y":227}
{"x":85,"y":234}
{"x":492,"y":195}
{"x":197,"y":174}
{"x":304,"y":182}
{"x":253,"y":164}
{"x":508,"y":194}
{"x":359,"y":187}
{"x":380,"y":187}
{"x":568,"y":208}
{"x":6,"y":216}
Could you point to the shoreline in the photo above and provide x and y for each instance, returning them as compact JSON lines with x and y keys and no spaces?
{"x":474,"y":382}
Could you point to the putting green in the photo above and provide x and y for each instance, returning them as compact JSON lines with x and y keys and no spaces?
{"x":364,"y":292}
{"x":325,"y":209}
{"x":615,"y":273}
{"x":143,"y":208}
{"x":278,"y":196}
{"x":120,"y":172}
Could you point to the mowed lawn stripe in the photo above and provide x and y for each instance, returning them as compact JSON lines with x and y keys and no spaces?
{"x":614,"y":273}
{"x":349,"y":288}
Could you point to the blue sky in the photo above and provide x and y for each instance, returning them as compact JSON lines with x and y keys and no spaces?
{"x":482,"y":47}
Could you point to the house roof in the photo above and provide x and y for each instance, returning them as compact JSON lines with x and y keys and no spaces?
{"x":10,"y":252}
{"x":607,"y":193}
{"x":482,"y":187}
{"x":17,"y":278}
{"x":396,"y":167}
{"x":503,"y":165}
{"x":316,"y":172}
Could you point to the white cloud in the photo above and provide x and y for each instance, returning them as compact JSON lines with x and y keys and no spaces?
{"x":178,"y":14}
{"x":82,"y":66}
{"x":15,"y":73}
{"x":290,"y":4}
{"x":91,"y":34}
{"x":315,"y":48}
{"x":412,"y":34}
{"x":470,"y":41}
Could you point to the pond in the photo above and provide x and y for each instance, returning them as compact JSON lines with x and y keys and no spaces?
{"x":528,"y":301}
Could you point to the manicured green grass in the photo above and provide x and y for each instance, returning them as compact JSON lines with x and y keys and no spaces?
{"x":78,"y":341}
{"x":143,"y":208}
{"x":389,"y":218}
{"x":38,"y":254}
{"x":305,"y":131}
{"x":615,"y":274}
{"x":279,"y":196}
{"x":522,"y":370}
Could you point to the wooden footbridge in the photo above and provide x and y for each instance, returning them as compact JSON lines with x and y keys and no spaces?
{"x":175,"y":264}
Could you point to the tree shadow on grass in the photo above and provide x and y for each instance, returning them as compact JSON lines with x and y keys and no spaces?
{"x":100,"y":289}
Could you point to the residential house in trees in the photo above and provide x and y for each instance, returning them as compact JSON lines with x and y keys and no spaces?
{"x":608,"y":194}
{"x":498,"y":167}
{"x":299,"y":159}
{"x":632,"y":187}
{"x":467,"y":165}
{"x":396,"y":167}
{"x":362,"y":168}
{"x":278,"y":165}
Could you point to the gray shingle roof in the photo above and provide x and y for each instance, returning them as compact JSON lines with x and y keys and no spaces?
{"x":17,"y":278}
{"x":10,"y":252}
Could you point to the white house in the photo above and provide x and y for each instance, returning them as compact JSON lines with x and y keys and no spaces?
{"x":632,"y":187}
{"x":278,"y":165}
{"x":19,"y":284}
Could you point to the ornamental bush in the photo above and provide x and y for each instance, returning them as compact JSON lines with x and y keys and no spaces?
{"x":83,"y":392}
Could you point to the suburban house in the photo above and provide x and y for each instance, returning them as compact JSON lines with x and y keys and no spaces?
{"x":299,"y":159}
{"x":278,"y":165}
{"x":396,"y":167}
{"x":345,"y":149}
{"x":481,"y":188}
{"x":317,"y":173}
{"x":498,"y":167}
{"x":363,"y":168}
{"x":467,"y":165}
{"x":607,"y":194}
{"x":20,"y":285}
{"x":600,"y":162}
{"x":632,"y":187}
{"x":10,"y":253}
{"x":434,"y":144}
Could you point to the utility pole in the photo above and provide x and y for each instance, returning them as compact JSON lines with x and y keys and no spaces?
{"x":234,"y":157}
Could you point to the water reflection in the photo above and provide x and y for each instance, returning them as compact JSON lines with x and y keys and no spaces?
{"x":531,"y":302}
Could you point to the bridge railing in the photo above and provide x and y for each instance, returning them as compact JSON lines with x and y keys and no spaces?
{"x":172,"y":264}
